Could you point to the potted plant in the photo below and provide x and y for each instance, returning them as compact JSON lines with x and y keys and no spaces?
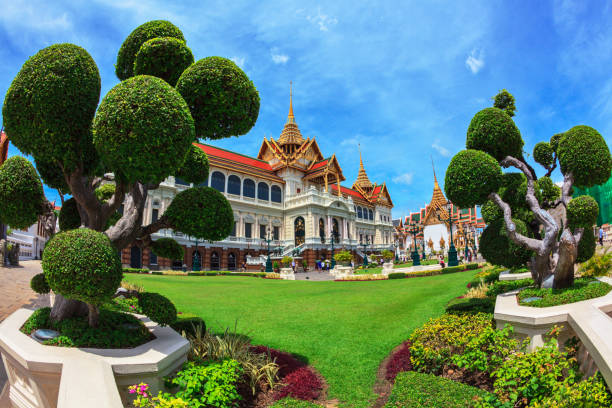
{"x":305,"y":265}
{"x":91,"y":150}
{"x":387,"y":255}
{"x":343,"y":258}
{"x":286,"y":261}
{"x":275,"y":266}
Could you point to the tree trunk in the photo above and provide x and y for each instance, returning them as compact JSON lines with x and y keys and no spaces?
{"x":64,"y":308}
{"x":94,"y":314}
{"x":540,"y":269}
{"x":564,"y":272}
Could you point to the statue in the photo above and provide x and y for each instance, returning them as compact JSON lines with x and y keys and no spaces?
{"x":442,"y":243}
{"x":430,"y":244}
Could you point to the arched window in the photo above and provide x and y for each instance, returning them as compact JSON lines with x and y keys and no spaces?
{"x":248,"y":188}
{"x":135,"y":257}
{"x":214,"y":261}
{"x":370,"y":215}
{"x":233,"y":185}
{"x":299,"y":229}
{"x":359,"y":214}
{"x":217,"y":181}
{"x":196,"y":261}
{"x":276,"y":194}
{"x":231,"y":261}
{"x":152,"y":258}
{"x":322,"y":230}
{"x":263,"y":191}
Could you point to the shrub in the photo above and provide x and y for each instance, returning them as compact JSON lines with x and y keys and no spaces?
{"x":417,"y":390}
{"x":582,"y":212}
{"x":362,"y":277}
{"x":69,"y":217}
{"x":343,"y":257}
{"x":144,"y":398}
{"x":143,"y":129}
{"x":124,"y":68}
{"x":598,"y":265}
{"x":286,"y":362}
{"x":387,"y":255}
{"x":168,"y":248}
{"x":18,"y":178}
{"x":135,"y":270}
{"x":586,"y":246}
{"x":471,"y":176}
{"x":293,"y":403}
{"x":477,"y":291}
{"x":272,"y":275}
{"x":82,"y":264}
{"x":453,"y":269}
{"x":188,"y":326}
{"x":591,"y":392}
{"x":497,"y":248}
{"x":157,"y":308}
{"x":439,"y":338}
{"x":286,"y":261}
{"x":471,"y":266}
{"x":397,"y":275}
{"x":163,"y":57}
{"x":39,"y":284}
{"x":302,"y":384}
{"x":471,"y":305}
{"x":232,"y":103}
{"x":195,"y":168}
{"x":213,"y":384}
{"x":499,"y":287}
{"x":582,"y":289}
{"x":493,"y":131}
{"x":399,"y":361}
{"x":275,"y":265}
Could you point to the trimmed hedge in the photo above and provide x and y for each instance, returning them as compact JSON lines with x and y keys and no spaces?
{"x":453,"y":269}
{"x":418,"y":390}
{"x":582,"y":212}
{"x":583,"y":152}
{"x":163,"y":57}
{"x":168,"y":248}
{"x":195,"y":168}
{"x":471,"y":266}
{"x":493,"y":131}
{"x":471,"y":305}
{"x":69,"y":217}
{"x":582,"y":289}
{"x":157,"y":308}
{"x":190,"y":325}
{"x":39,"y":284}
{"x":397,"y":275}
{"x":135,"y":270}
{"x":21,"y":193}
{"x":224,"y":273}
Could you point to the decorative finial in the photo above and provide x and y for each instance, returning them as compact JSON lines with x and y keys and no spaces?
{"x":434,"y":169}
{"x":290,"y":99}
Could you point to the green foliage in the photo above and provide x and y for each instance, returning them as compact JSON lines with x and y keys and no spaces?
{"x":513,"y":189}
{"x":69,"y":217}
{"x":222,"y":99}
{"x":39,"y":284}
{"x":453,"y":269}
{"x":143,"y":33}
{"x":586,"y":246}
{"x":52,"y":175}
{"x":471,"y":266}
{"x":82,"y":264}
{"x":487,"y":351}
{"x":165,"y":58}
{"x":471,"y":305}
{"x":208,"y":385}
{"x":499,"y":287}
{"x":439,"y":338}
{"x":590,"y":393}
{"x":546,"y":190}
{"x":157,"y":308}
{"x":582,"y":212}
{"x":343,"y":257}
{"x":105,"y":192}
{"x":583,"y":152}
{"x":494,"y":132}
{"x":397,"y":275}
{"x":135,"y":270}
{"x":490,"y":212}
{"x":582,"y":289}
{"x":543,"y":154}
{"x":75,"y":331}
{"x":293,"y":403}
{"x":497,"y":248}
{"x":597,"y":265}
{"x":470,"y":177}
{"x":189,"y":326}
{"x":201,"y":212}
{"x":50,"y":104}
{"x":387,"y":255}
{"x":21,"y":193}
{"x":286,"y":261}
{"x":168,"y":248}
{"x":143,"y":129}
{"x":554,"y":141}
{"x":504,"y":100}
{"x":533,"y":376}
{"x":195,"y":167}
{"x":417,"y":390}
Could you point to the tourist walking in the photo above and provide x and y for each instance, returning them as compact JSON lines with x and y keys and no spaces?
{"x":601,"y":236}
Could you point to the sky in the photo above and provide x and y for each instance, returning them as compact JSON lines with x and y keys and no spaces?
{"x":400,"y":79}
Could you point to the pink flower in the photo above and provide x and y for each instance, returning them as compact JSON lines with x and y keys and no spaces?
{"x":144,"y":395}
{"x":132,"y":390}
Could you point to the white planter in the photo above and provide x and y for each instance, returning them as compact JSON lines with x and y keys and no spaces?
{"x":507,"y":276}
{"x":341,"y":271}
{"x":287,"y":274}
{"x":42,"y":376}
{"x":387,"y":268}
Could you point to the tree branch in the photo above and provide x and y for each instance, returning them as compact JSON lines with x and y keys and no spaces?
{"x":533,"y":244}
{"x":128,"y":227}
{"x":553,"y":167}
{"x":568,"y":182}
{"x":85,"y":196}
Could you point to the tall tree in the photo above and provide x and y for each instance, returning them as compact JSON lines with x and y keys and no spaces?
{"x":504,"y":100}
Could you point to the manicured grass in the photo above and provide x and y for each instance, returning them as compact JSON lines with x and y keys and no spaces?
{"x":344,"y":329}
{"x":418,"y":390}
{"x":582,"y":289}
{"x":368,"y":271}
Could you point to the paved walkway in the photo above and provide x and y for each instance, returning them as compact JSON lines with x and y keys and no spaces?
{"x":15,"y":293}
{"x":314,"y":276}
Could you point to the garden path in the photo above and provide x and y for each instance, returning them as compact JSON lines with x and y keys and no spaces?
{"x":314,"y":276}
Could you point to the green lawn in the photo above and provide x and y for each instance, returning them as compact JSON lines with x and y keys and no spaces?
{"x":345,"y":329}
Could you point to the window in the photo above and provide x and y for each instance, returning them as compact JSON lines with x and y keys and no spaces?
{"x":247,"y":229}
{"x":214,"y":261}
{"x":233,"y":233}
{"x":217,"y":181}
{"x":248,"y":188}
{"x":262,"y":231}
{"x":276,"y":233}
{"x":155,"y":215}
{"x":359,"y":214}
{"x":370,"y":215}
{"x":276,"y":194}
{"x":263,"y":191}
{"x":152,"y":259}
{"x":233,"y":185}
{"x":180,"y":181}
{"x":231,"y":261}
{"x":322,"y":230}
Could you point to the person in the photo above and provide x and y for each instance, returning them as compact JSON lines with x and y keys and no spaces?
{"x":293,"y":265}
{"x":442,"y":261}
{"x":243,"y":266}
{"x":601,"y":236}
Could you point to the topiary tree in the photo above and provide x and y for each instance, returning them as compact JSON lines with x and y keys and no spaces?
{"x":530,"y":219}
{"x":39,"y":284}
{"x":142,"y":132}
{"x":504,"y":100}
{"x":168,"y":248}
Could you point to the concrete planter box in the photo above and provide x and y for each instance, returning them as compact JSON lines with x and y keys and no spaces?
{"x":42,"y":376}
{"x":341,"y":271}
{"x":387,"y":268}
{"x":589,"y":320}
{"x":507,"y":276}
{"x":287,"y":274}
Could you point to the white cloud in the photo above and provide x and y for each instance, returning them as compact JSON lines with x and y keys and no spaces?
{"x":405,"y":178}
{"x":279,"y":58}
{"x":475,"y":61}
{"x":324,"y":21}
{"x":441,"y":149}
{"x":353,"y":141}
{"x":238,"y":61}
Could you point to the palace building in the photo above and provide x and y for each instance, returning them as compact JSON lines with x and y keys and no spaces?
{"x":291,"y":193}
{"x":432,"y":228}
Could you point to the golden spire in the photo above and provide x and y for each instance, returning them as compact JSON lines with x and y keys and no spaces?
{"x":291,"y":133}
{"x":362,"y":178}
{"x":434,"y":172}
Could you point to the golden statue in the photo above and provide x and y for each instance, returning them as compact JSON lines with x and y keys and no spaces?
{"x":430,"y":244}
{"x":442,"y":242}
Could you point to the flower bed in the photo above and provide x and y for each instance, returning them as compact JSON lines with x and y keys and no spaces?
{"x":361,"y":278}
{"x":582,"y":289}
{"x":115,"y":330}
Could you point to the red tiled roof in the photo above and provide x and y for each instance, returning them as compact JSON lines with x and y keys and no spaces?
{"x":348,"y":191}
{"x":237,"y":157}
{"x":319,"y":164}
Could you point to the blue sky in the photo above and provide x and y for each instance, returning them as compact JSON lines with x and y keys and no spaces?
{"x":403,"y":79}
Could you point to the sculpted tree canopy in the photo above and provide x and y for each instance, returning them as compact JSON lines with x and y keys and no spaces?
{"x":112,"y":155}
{"x":521,"y":210}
